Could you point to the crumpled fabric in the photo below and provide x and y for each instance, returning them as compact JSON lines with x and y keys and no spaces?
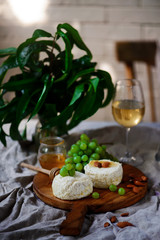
{"x":24,"y":216}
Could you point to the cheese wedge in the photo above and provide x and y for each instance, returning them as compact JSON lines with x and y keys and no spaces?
{"x":103,"y":177}
{"x":71,"y":188}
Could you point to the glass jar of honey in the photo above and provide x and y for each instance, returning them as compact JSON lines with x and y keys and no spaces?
{"x":52,"y":152}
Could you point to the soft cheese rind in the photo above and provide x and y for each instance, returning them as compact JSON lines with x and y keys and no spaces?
{"x":71,"y":188}
{"x":104,"y":177}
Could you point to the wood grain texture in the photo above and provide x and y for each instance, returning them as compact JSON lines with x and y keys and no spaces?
{"x":108,"y":201}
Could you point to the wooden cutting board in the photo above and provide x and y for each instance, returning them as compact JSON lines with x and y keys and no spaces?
{"x":108,"y":201}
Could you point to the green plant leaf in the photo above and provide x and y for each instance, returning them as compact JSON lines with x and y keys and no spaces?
{"x":3,"y":136}
{"x":23,"y":103}
{"x":49,"y":112}
{"x":64,"y":76}
{"x":41,"y":33}
{"x":84,"y":62}
{"x":77,"y":93}
{"x":9,"y":105}
{"x":9,"y":112}
{"x":50,"y":43}
{"x":106,"y":83}
{"x":27,"y":48}
{"x":78,"y":75}
{"x":68,"y":54}
{"x":62,"y":90}
{"x":76,"y":36}
{"x":60,"y":120}
{"x":17,"y":83}
{"x":83,"y":108}
{"x":24,"y":133}
{"x":98,"y":101}
{"x":94,"y":82}
{"x":9,"y":63}
{"x":7,"y":51}
{"x":48,"y":81}
{"x":14,"y":132}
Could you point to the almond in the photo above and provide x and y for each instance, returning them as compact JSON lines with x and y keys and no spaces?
{"x":138,"y":183}
{"x":97,"y":164}
{"x":130,"y":186}
{"x":113,"y":219}
{"x":106,"y":224}
{"x":144,"y":178}
{"x":136,"y":189}
{"x":124,"y":224}
{"x":105,"y":164}
{"x":134,"y":177}
{"x":124,"y":214}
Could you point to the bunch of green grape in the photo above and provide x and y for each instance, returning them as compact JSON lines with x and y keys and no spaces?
{"x":83,"y":151}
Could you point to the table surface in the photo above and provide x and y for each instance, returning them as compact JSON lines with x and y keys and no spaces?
{"x":24,"y":216}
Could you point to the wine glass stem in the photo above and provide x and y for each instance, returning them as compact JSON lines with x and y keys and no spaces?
{"x":127,"y":153}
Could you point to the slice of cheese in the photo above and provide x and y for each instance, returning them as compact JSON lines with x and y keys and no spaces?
{"x":71,"y":188}
{"x":104,"y":177}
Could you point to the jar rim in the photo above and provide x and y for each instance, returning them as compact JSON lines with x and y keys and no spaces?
{"x":52,"y":141}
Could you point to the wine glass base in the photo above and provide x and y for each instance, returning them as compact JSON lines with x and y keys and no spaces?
{"x":132,"y":160}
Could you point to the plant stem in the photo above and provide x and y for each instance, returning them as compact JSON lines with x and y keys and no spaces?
{"x":51,"y":62}
{"x":54,"y":40}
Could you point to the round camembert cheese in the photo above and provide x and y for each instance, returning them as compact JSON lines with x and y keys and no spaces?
{"x":103,"y":177}
{"x":71,"y":188}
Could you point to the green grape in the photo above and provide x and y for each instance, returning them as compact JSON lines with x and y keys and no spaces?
{"x":84,"y":158}
{"x":92,"y":145}
{"x":77,"y":159}
{"x":80,"y":153}
{"x":84,"y":164}
{"x":70,"y":154}
{"x":84,"y":137}
{"x":63,"y":172}
{"x":112,"y":188}
{"x":72,"y":172}
{"x":79,"y":166}
{"x":104,"y":147}
{"x":95,"y":156}
{"x":121,"y":191}
{"x":85,"y":141}
{"x":74,"y":165}
{"x":74,"y":148}
{"x":95,"y":195}
{"x":83,"y":146}
{"x":69,"y":166}
{"x":99,"y":150}
{"x":69,"y":160}
{"x":88,"y":151}
{"x":75,"y":154}
{"x":94,"y":140}
{"x":78,"y":142}
{"x":103,"y":155}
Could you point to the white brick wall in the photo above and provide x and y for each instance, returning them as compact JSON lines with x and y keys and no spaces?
{"x":72,"y":13}
{"x":111,"y":32}
{"x":134,"y":15}
{"x":155,"y":3}
{"x":101,"y":23}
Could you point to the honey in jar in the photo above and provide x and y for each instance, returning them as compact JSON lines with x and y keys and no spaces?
{"x":52,"y":152}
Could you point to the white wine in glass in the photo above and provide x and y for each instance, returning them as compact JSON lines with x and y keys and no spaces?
{"x":128,"y":108}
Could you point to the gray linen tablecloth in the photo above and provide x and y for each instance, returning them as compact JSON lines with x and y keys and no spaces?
{"x":24,"y":216}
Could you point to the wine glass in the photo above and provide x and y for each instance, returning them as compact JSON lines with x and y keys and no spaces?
{"x":128,"y":109}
